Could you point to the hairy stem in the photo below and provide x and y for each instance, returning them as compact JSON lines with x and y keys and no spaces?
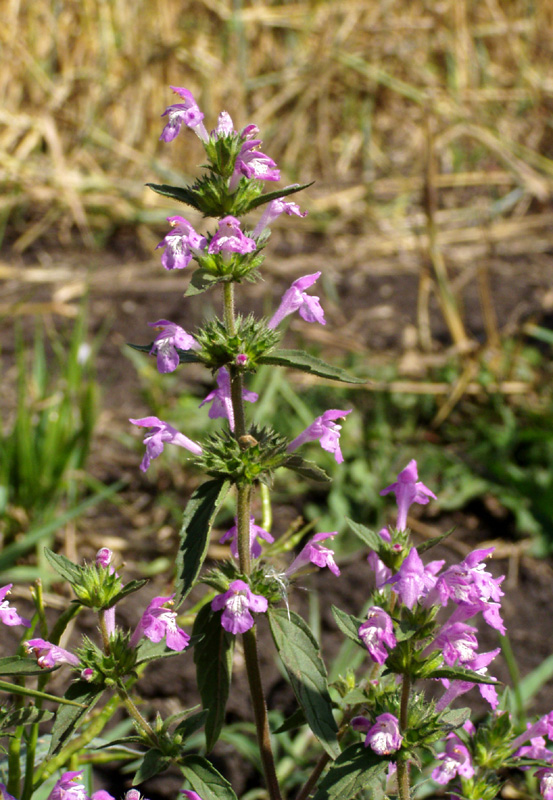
{"x":135,"y":713}
{"x":243,"y":505}
{"x":403,"y":765}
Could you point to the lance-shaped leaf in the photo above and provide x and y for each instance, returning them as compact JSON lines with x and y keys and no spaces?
{"x":213,"y":659}
{"x":357,"y":768}
{"x":23,"y":716}
{"x":348,"y":624}
{"x":185,"y":356}
{"x":300,"y":655}
{"x":295,"y":721}
{"x":201,"y":281}
{"x":69,"y":717}
{"x":307,"y":469}
{"x":452,"y":719}
{"x":197,"y":520}
{"x":424,"y":546}
{"x":297,"y":359}
{"x":18,"y":665}
{"x":180,"y":193}
{"x":370,"y":538}
{"x":153,"y":763}
{"x":128,"y":588}
{"x":460,"y":674}
{"x":71,"y":572}
{"x":266,"y":198}
{"x":205,"y":780}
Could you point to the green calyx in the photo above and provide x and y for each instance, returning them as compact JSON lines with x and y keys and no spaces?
{"x":244,"y":461}
{"x":107,"y":668}
{"x":252,"y":338}
{"x":222,"y":152}
{"x":234,"y":267}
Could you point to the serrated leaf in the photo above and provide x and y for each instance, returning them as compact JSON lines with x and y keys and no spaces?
{"x":18,"y":665}
{"x":205,"y":780}
{"x":297,"y":359}
{"x":71,"y":572}
{"x":307,"y":469}
{"x":197,"y":520}
{"x":201,"y":281}
{"x":68,"y":717}
{"x":453,"y":719}
{"x":461,"y":674}
{"x":357,"y":768}
{"x":370,"y":538}
{"x":299,"y":651}
{"x":185,"y":356}
{"x":424,"y":546}
{"x":191,"y":724}
{"x":295,"y":721}
{"x":266,"y":198}
{"x":348,"y":624}
{"x":152,"y":764}
{"x":179,"y":193}
{"x":213,"y":659}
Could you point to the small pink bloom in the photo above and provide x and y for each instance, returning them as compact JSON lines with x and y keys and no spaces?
{"x":187,"y":113}
{"x":315,"y":553}
{"x":67,"y":789}
{"x":456,"y":760}
{"x":383,"y":737}
{"x":325,"y":429}
{"x":237,"y":603}
{"x":230,"y":239}
{"x":9,"y":615}
{"x":256,"y":532}
{"x":377,"y":634}
{"x":274,"y":209}
{"x":296,"y":299}
{"x":408,"y":490}
{"x":221,"y":398}
{"x":170,"y":337}
{"x":159,"y":623}
{"x":161,"y":434}
{"x":180,"y":244}
{"x":545,"y":776}
{"x":48,"y":654}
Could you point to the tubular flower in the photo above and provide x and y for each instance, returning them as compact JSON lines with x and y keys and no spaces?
{"x":325,"y":429}
{"x":274,"y":209}
{"x":296,"y":299}
{"x":383,"y":737}
{"x":103,"y":559}
{"x":159,"y":623}
{"x":187,"y":113}
{"x":468,"y":582}
{"x":545,"y":776}
{"x":457,"y":641}
{"x":315,"y":553}
{"x":237,"y":603}
{"x":161,"y":434}
{"x":48,"y":654}
{"x":455,"y":760}
{"x":67,"y":789}
{"x":221,"y":398}
{"x":180,"y":244}
{"x":256,"y":532}
{"x":166,"y":342}
{"x":377,"y":634}
{"x":413,"y":580}
{"x":456,"y":688}
{"x":381,"y":571}
{"x":408,"y":490}
{"x":225,"y":126}
{"x":230,"y":239}
{"x":9,"y":615}
{"x":253,"y":164}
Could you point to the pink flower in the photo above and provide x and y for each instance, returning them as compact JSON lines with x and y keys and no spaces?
{"x":159,"y":623}
{"x":383,"y":737}
{"x":67,"y":789}
{"x":166,"y":342}
{"x":221,"y":398}
{"x":296,"y":299}
{"x":225,"y":126}
{"x":381,"y":571}
{"x":456,"y":688}
{"x":4,"y":794}
{"x":103,"y":559}
{"x":180,"y":244}
{"x":455,"y":760}
{"x":377,"y":634}
{"x":274,"y":209}
{"x":9,"y":615}
{"x":253,"y":164}
{"x":230,"y":239}
{"x":161,"y":434}
{"x":48,"y":654}
{"x":326,"y":430}
{"x":256,"y":532}
{"x":457,"y":641}
{"x":237,"y":603}
{"x":546,"y":782}
{"x":315,"y":553}
{"x":187,"y":113}
{"x":413,"y":580}
{"x":408,"y":490}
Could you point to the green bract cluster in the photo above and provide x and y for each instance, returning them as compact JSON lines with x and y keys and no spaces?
{"x":252,"y":338}
{"x":108,"y":667}
{"x":245,"y":460}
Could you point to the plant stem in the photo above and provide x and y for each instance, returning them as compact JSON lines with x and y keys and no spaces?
{"x":324,"y":758}
{"x":243,"y":505}
{"x":403,"y":765}
{"x":104,"y":632}
{"x":135,"y":713}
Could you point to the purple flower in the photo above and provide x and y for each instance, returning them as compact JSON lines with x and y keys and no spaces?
{"x":377,"y":634}
{"x":274,"y":209}
{"x":457,"y":641}
{"x":4,"y":794}
{"x":101,"y":794}
{"x":408,"y":490}
{"x":381,"y":572}
{"x":546,"y":782}
{"x":383,"y":737}
{"x":187,"y":113}
{"x":413,"y":580}
{"x":9,"y":615}
{"x":159,"y":623}
{"x":455,"y":760}
{"x":190,"y":795}
{"x":103,"y":559}
{"x":457,"y":688}
{"x":230,"y":239}
{"x":326,"y":430}
{"x":468,"y":582}
{"x":255,"y":532}
{"x":315,"y":553}
{"x":253,"y":164}
{"x":180,"y":244}
{"x":221,"y":398}
{"x":161,"y":434}
{"x":295,"y":299}
{"x":166,"y":342}
{"x":48,"y":654}
{"x":544,"y":726}
{"x":237,"y":603}
{"x":225,"y":126}
{"x":67,"y":789}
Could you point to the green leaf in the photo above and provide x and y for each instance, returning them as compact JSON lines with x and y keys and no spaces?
{"x":67,"y":569}
{"x":151,"y":651}
{"x":201,"y":281}
{"x":424,"y":546}
{"x":69,"y":717}
{"x":185,"y":356}
{"x":205,"y":780}
{"x":370,"y":538}
{"x":297,"y":359}
{"x":266,"y":198}
{"x":18,"y":665}
{"x":307,"y":469}
{"x":348,"y":624}
{"x":24,"y":716}
{"x":128,"y":588}
{"x":295,"y":721}
{"x":213,"y":659}
{"x":194,"y":533}
{"x":12,"y":688}
{"x":153,"y":763}
{"x":179,"y":193}
{"x":357,"y":768}
{"x":461,"y":674}
{"x":300,"y":655}
{"x":191,"y":724}
{"x":453,"y":719}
